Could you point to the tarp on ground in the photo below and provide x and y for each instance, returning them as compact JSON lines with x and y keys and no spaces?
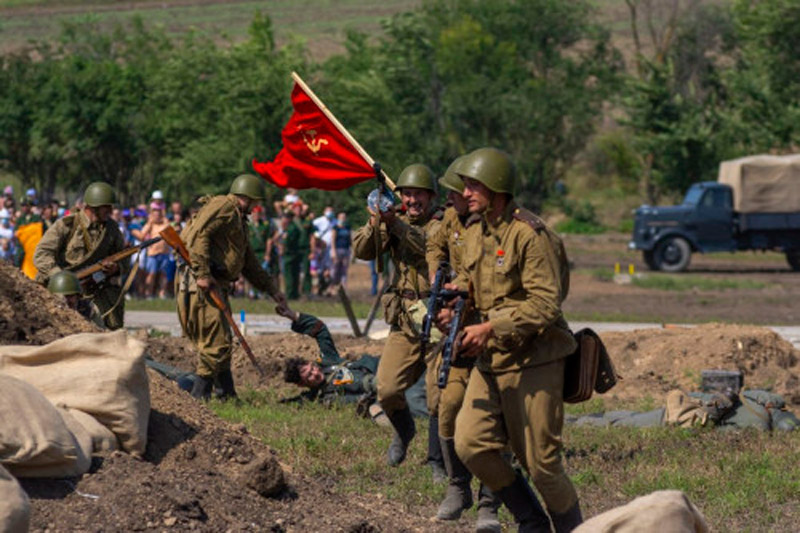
{"x":763,"y":183}
{"x":665,"y":511}
{"x":101,"y":374}
{"x":15,"y":509}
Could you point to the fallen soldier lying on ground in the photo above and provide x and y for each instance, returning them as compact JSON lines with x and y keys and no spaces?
{"x":335,"y":379}
{"x":750,"y":408}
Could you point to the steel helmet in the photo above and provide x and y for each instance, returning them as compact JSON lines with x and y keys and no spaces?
{"x":64,"y":282}
{"x":492,"y":167}
{"x":99,"y":193}
{"x":450,"y":180}
{"x":417,"y":176}
{"x":248,"y":185}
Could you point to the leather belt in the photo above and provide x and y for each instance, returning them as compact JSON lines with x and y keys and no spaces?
{"x":408,"y":294}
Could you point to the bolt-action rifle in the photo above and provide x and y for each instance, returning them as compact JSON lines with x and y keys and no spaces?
{"x":119,"y":256}
{"x":439,"y":298}
{"x":172,"y":238}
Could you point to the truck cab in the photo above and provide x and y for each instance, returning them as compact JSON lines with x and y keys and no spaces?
{"x":703,"y":222}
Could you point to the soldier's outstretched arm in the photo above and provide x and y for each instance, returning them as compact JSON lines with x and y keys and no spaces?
{"x":260,"y":278}
{"x":540,"y":307}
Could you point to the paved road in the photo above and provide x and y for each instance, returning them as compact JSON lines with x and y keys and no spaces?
{"x":260,"y":324}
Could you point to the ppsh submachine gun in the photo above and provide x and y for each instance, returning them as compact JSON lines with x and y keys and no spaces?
{"x":439,"y":298}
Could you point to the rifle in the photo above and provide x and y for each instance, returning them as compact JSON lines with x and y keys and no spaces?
{"x":122,"y":254}
{"x":172,"y":238}
{"x":452,"y":342}
{"x":438,"y":298}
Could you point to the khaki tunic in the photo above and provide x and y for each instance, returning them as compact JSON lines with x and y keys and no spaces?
{"x":218,"y":244}
{"x":520,"y":275}
{"x":402,"y":362}
{"x":73,"y":243}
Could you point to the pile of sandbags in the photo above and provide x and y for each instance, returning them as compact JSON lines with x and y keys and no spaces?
{"x":61,"y":402}
{"x":15,"y":509}
{"x":667,"y":511}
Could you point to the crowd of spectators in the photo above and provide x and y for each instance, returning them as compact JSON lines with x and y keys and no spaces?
{"x":310,"y":253}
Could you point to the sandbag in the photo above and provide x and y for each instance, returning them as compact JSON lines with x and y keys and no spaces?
{"x":15,"y":509}
{"x":101,"y":374}
{"x":103,"y":440}
{"x":665,"y":511}
{"x":35,"y":440}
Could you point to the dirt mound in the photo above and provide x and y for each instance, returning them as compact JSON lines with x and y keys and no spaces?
{"x":653,"y":361}
{"x":29,"y":314}
{"x":271,"y":351}
{"x":201,"y":473}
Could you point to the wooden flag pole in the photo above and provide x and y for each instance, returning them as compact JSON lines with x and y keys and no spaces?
{"x":342,"y":129}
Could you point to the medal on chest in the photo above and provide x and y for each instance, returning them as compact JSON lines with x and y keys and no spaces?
{"x":501,"y":256}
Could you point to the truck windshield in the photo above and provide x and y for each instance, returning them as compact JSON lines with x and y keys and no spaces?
{"x":693,"y":195}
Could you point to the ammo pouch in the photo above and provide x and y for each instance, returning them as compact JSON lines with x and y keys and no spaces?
{"x":588,"y":368}
{"x":392,"y":307}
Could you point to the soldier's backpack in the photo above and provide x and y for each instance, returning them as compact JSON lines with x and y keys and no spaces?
{"x":588,"y":368}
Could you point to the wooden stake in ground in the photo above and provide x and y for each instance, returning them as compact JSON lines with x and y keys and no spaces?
{"x":348,"y":309}
{"x":374,"y":309}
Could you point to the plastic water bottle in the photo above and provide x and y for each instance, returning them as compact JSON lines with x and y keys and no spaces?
{"x":242,"y":322}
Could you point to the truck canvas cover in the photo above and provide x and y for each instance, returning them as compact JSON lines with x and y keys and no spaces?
{"x":763,"y":183}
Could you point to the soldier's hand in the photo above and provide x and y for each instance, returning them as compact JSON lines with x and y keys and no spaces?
{"x":374,"y":217}
{"x":388,"y":217}
{"x":110,"y":268}
{"x":475,"y":339}
{"x":280,"y":299}
{"x":443,"y":319}
{"x":205,"y":283}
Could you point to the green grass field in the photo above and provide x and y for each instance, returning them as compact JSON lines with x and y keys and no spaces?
{"x":320,"y":23}
{"x":741,"y":480}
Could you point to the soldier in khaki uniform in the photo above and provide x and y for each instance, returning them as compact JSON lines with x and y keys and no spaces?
{"x":402,"y":363}
{"x":447,"y":244}
{"x":218,"y":244}
{"x":83,"y":239}
{"x":519,"y":270}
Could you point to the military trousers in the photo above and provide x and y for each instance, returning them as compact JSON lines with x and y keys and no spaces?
{"x":433,"y":361}
{"x":291,"y":276}
{"x":400,"y":366}
{"x":451,"y":398}
{"x":523,"y":408}
{"x":205,"y":326}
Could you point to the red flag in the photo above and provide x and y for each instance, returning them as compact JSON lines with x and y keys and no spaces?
{"x":315,"y":154}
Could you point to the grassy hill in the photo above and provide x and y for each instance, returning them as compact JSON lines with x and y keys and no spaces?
{"x":321,"y":23}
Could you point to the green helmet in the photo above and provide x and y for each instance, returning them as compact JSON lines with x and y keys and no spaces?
{"x":99,"y":193}
{"x":450,"y":180}
{"x":417,"y":176}
{"x":248,"y":185}
{"x":64,"y":282}
{"x":492,"y":167}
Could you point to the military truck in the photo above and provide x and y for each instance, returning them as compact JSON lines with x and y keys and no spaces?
{"x":753,"y":205}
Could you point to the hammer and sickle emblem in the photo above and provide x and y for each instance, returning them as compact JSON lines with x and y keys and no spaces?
{"x":313,"y":143}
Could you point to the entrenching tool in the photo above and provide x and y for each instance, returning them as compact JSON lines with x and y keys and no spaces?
{"x":172,"y":238}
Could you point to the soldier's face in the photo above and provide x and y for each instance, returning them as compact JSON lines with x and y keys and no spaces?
{"x":311,"y":375}
{"x":477,"y":195}
{"x":458,"y":201}
{"x":416,"y":200}
{"x":99,"y":213}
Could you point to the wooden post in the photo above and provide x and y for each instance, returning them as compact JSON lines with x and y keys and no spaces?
{"x":348,"y":309}
{"x":374,"y":310}
{"x":340,"y":127}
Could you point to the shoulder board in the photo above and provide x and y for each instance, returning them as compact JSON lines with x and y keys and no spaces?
{"x":472,"y":219}
{"x":529,"y":218}
{"x":438,"y":214}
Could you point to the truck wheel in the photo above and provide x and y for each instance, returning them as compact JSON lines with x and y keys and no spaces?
{"x":673,"y":254}
{"x":649,"y":257}
{"x":793,"y":258}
